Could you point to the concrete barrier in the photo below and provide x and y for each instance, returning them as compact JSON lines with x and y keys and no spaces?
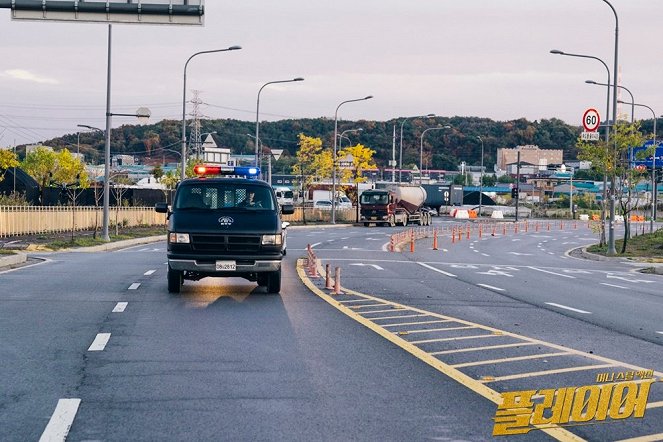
{"x":497,"y":214}
{"x":584,"y":217}
{"x":462,"y":214}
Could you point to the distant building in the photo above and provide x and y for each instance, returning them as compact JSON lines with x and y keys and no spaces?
{"x":123,"y":160}
{"x":32,"y":147}
{"x":529,"y":154}
{"x":212,"y":153}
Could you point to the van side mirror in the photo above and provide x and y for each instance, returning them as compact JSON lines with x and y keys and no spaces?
{"x":161,"y":207}
{"x":287,"y":209}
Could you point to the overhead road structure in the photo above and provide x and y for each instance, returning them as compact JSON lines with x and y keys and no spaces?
{"x":180,"y":12}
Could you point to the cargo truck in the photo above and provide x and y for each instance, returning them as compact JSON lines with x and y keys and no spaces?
{"x":396,"y":204}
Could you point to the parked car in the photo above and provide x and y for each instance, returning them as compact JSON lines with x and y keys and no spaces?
{"x":344,"y":203}
{"x":322,"y":204}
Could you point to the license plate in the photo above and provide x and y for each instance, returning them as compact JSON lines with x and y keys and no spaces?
{"x":375,"y":217}
{"x":230,"y":266}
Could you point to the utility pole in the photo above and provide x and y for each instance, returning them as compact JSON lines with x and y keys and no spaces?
{"x":517,"y":185}
{"x":393,"y":157}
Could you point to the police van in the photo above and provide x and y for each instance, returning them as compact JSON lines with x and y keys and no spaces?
{"x":227,"y":226}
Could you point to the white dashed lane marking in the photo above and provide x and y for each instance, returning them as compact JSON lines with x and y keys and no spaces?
{"x":61,"y":420}
{"x":613,"y":285}
{"x":100,"y":342}
{"x":149,"y":272}
{"x":490,"y":287}
{"x":568,"y":308}
{"x":134,"y":286}
{"x":436,"y":270}
{"x":120,"y":307}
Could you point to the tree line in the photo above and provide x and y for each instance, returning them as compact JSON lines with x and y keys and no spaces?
{"x":442,"y":149}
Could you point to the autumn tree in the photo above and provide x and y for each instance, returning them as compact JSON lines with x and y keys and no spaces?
{"x":7,"y":161}
{"x":39,"y":164}
{"x":69,"y":174}
{"x":608,"y":159}
{"x":313,"y":162}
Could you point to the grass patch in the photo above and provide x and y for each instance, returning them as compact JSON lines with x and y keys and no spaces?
{"x":89,"y":241}
{"x":7,"y":252}
{"x":649,"y":245}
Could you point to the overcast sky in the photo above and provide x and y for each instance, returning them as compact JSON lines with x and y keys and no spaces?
{"x":486,"y":58}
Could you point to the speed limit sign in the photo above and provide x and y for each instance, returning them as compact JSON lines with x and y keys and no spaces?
{"x":591,"y":120}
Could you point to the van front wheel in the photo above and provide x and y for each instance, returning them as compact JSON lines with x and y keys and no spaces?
{"x":274,"y":282}
{"x":175,"y":280}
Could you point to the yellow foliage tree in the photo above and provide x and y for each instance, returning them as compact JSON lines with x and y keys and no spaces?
{"x":7,"y":161}
{"x":362,"y":159}
{"x":313,"y":161}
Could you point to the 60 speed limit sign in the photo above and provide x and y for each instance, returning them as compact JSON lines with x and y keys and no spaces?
{"x":591,"y":120}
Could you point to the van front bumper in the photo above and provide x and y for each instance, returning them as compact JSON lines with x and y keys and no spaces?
{"x":242,"y":266}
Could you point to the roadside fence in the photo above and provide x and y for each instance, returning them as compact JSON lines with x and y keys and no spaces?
{"x":30,"y":220}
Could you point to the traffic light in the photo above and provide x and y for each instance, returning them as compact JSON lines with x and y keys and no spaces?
{"x":514,"y":192}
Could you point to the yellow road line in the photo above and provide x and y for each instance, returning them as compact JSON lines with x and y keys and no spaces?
{"x":487,"y":347}
{"x":402,"y":324}
{"x":410,"y":332}
{"x":383,"y":311}
{"x":515,"y":358}
{"x":513,"y":335}
{"x":488,"y":393}
{"x":458,"y":338}
{"x":398,"y":317}
{"x":650,"y":438}
{"x":546,"y":372}
{"x":351,"y":301}
{"x":357,"y":307}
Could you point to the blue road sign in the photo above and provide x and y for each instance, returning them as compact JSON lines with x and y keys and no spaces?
{"x":636,"y":155}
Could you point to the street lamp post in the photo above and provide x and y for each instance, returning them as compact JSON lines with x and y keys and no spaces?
{"x":481,"y":178}
{"x":257,"y":139}
{"x":619,"y":86}
{"x":612,"y":251}
{"x":342,"y":135}
{"x":611,"y":227}
{"x":368,"y":97}
{"x":653,"y":166}
{"x":231,"y":48}
{"x":400,"y":149}
{"x":85,"y":126}
{"x":421,"y":148}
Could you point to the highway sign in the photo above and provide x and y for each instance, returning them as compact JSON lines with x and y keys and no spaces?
{"x":590,"y":136}
{"x":591,"y":120}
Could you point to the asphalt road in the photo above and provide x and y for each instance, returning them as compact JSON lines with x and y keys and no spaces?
{"x":225,"y":361}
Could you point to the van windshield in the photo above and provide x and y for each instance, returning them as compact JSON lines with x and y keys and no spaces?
{"x":215,"y":196}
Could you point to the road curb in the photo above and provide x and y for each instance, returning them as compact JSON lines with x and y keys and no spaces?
{"x":115,"y":245}
{"x":654,"y":268}
{"x":12,"y":260}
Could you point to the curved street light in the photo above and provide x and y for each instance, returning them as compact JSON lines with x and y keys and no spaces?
{"x":257,"y":151}
{"x":368,"y":97}
{"x":231,"y":48}
{"x":342,"y":135}
{"x":619,"y":86}
{"x":653,"y":167}
{"x":400,"y":149}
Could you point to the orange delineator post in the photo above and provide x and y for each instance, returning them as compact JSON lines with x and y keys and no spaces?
{"x":468,"y":231}
{"x":504,"y":230}
{"x":515,"y":228}
{"x":453,"y":235}
{"x":412,"y":241}
{"x":480,"y":231}
{"x":435,"y":239}
{"x":337,"y":282}
{"x":391,"y":243}
{"x":328,"y":284}
{"x":526,"y":226}
{"x":548,"y":226}
{"x":537,"y":227}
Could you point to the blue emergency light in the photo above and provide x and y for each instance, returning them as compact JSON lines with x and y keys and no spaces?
{"x":211,"y":170}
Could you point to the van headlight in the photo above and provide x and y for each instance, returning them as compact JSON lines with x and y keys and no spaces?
{"x":179,"y":238}
{"x":271,"y":240}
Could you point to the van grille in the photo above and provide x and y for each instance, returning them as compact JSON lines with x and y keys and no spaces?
{"x":225,"y":243}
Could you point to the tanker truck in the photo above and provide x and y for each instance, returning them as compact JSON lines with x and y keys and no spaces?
{"x":396,"y":204}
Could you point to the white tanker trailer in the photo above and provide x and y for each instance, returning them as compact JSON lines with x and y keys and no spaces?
{"x":397,"y":204}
